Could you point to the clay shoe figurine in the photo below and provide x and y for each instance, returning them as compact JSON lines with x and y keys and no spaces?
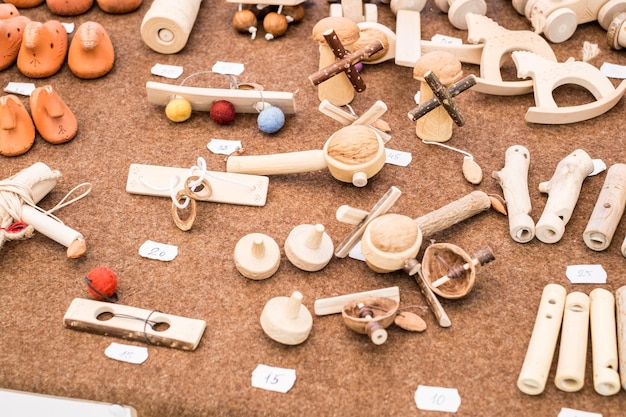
{"x":11,"y":34}
{"x":24,"y":4}
{"x":43,"y":49}
{"x":119,"y":6}
{"x":8,"y":10}
{"x":53,"y":119}
{"x":69,"y":8}
{"x":17,"y":132}
{"x":91,"y":53}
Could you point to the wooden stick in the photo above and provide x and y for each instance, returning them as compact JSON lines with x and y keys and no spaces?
{"x":482,"y":257}
{"x":453,"y":91}
{"x":414,"y":269}
{"x":333,"y":305}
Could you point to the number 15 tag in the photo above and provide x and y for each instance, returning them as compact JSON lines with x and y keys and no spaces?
{"x":273,"y":379}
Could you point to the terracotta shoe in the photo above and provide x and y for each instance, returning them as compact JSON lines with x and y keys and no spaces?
{"x":8,"y":10}
{"x":119,"y":6}
{"x":43,"y":49}
{"x":69,"y":7}
{"x":91,"y":52}
{"x":54,"y":121}
{"x":17,"y":132}
{"x":24,"y":4}
{"x":11,"y":34}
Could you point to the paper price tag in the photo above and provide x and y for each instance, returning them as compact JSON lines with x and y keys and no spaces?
{"x":273,"y":379}
{"x":167,"y":71}
{"x":598,"y":167}
{"x":399,"y":158}
{"x":437,"y":399}
{"x":586,"y":274}
{"x":224,"y":146}
{"x":227,"y":68}
{"x":569,"y":412}
{"x":443,"y":39}
{"x":69,"y":27}
{"x":158,"y":251}
{"x":613,"y":70}
{"x":24,"y":89}
{"x":127,"y":353}
{"x":357,"y":253}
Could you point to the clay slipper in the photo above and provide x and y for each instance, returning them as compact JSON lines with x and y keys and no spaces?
{"x":53,"y":119}
{"x":17,"y":132}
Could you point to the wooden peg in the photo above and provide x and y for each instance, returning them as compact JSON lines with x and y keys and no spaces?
{"x":309,"y":247}
{"x":482,"y":257}
{"x":347,"y":119}
{"x":286,"y":319}
{"x":570,"y":370}
{"x":334,"y":305}
{"x":371,"y":316}
{"x":257,"y":256}
{"x":606,"y":379}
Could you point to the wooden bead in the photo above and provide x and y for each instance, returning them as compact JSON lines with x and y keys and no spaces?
{"x":243,"y":20}
{"x":275,"y":24}
{"x":257,"y":256}
{"x":294,"y":14}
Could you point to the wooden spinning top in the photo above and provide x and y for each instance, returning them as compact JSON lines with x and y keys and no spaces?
{"x":286,"y":319}
{"x":371,"y":316}
{"x":439,"y":259}
{"x":257,"y":256}
{"x":309,"y":247}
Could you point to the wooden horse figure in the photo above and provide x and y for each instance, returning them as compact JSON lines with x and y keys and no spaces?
{"x":43,"y":49}
{"x":91,"y":53}
{"x":498,"y":43}
{"x":11,"y":33}
{"x":548,"y":75}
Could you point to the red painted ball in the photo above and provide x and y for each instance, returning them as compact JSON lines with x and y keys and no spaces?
{"x":222,"y":112}
{"x":101,"y":283}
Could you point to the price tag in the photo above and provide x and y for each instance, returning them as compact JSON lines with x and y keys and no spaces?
{"x":598,"y":167}
{"x":273,"y":379}
{"x":399,"y":158}
{"x":227,"y":68}
{"x":569,"y":412}
{"x":24,"y":89}
{"x":167,"y":71}
{"x":357,"y":253}
{"x":158,"y":251}
{"x":613,"y":70}
{"x":586,"y":274}
{"x":443,"y":39}
{"x":437,"y":399}
{"x":224,"y":146}
{"x":127,"y":353}
{"x":69,"y":27}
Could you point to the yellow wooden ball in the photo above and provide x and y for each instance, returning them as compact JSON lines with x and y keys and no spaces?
{"x":178,"y":109}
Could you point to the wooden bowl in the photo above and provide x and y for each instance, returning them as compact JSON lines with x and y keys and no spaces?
{"x":383,"y":312}
{"x":438,"y":259}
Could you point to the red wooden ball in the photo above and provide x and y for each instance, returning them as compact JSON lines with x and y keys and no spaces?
{"x":222,"y":112}
{"x":101,"y":282}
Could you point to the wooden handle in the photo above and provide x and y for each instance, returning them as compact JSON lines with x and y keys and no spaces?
{"x":333,"y":305}
{"x":570,"y":370}
{"x":276,"y":164}
{"x":603,"y":342}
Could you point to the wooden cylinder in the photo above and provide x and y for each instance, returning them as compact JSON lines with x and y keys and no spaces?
{"x":620,"y":302}
{"x":604,"y":342}
{"x":536,"y":367}
{"x":167,"y":25}
{"x":276,"y":164}
{"x":570,"y":370}
{"x":608,"y":210}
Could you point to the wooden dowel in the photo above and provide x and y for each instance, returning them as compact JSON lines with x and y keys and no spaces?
{"x":333,"y":305}
{"x":344,"y":63}
{"x":603,"y":342}
{"x":413,"y":268}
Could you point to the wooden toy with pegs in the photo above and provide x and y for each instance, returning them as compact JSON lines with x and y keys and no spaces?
{"x":353,"y":154}
{"x":309,"y":247}
{"x":370,"y":118}
{"x":286,"y":320}
{"x":257,"y":256}
{"x":275,"y":14}
{"x":371,"y":316}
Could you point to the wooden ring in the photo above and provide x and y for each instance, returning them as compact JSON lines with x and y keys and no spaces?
{"x":184,"y":224}
{"x":201,"y":194}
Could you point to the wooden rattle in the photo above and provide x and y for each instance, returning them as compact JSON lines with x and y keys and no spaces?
{"x":563,"y":190}
{"x":353,"y":154}
{"x":606,"y":379}
{"x":538,"y":360}
{"x":608,"y":210}
{"x":309,"y":247}
{"x":286,"y":320}
{"x":167,"y":25}
{"x":257,"y":256}
{"x":570,"y":369}
{"x":371,"y":316}
{"x":620,"y":306}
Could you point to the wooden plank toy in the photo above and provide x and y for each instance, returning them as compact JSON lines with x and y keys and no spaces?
{"x":620,"y":314}
{"x":134,"y":323}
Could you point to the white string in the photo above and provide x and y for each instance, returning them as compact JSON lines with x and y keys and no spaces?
{"x":449,"y":147}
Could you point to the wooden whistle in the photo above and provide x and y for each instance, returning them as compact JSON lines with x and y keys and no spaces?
{"x":286,"y":320}
{"x":570,"y":370}
{"x":606,"y":379}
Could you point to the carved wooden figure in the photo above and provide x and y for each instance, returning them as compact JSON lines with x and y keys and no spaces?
{"x":513,"y":179}
{"x":563,"y":190}
{"x":570,"y":370}
{"x":309,"y":247}
{"x":43,"y":49}
{"x":606,"y":379}
{"x":608,"y":210}
{"x":257,"y":256}
{"x":371,"y":316}
{"x":91,"y":54}
{"x":286,"y":320}
{"x":54,"y":120}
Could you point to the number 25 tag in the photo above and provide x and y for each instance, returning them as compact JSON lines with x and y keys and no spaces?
{"x":437,"y":399}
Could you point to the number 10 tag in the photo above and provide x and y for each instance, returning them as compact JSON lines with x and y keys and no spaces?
{"x":437,"y":399}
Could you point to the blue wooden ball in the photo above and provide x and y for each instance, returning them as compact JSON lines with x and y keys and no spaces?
{"x":271,"y":119}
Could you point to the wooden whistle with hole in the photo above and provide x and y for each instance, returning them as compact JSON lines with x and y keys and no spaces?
{"x":570,"y":369}
{"x":134,"y":323}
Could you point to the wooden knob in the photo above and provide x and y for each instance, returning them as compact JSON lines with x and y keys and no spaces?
{"x":286,"y":319}
{"x":309,"y":247}
{"x":257,"y":256}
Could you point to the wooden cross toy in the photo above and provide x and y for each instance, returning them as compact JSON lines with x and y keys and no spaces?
{"x":348,"y":119}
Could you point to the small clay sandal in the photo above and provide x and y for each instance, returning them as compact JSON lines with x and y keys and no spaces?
{"x":17,"y":132}
{"x":91,"y":54}
{"x":11,"y":34}
{"x":53,"y":119}
{"x":43,"y":49}
{"x":119,"y":6}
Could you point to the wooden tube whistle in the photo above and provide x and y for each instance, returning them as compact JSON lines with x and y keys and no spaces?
{"x":606,"y":379}
{"x":620,"y":302}
{"x":570,"y":371}
{"x":536,"y":367}
{"x":608,"y":210}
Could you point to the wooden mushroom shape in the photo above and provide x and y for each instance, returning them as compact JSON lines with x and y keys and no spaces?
{"x":370,"y":316}
{"x":286,"y":320}
{"x":438,"y":259}
{"x":436,"y":126}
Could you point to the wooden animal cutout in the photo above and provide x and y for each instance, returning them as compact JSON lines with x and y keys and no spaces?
{"x":547,"y":75}
{"x":497,"y":43}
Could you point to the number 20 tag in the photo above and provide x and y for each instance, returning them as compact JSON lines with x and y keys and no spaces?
{"x":159,"y":251}
{"x":437,"y":399}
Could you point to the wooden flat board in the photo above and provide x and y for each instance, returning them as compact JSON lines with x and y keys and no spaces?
{"x":226,"y":187}
{"x":202,"y":99}
{"x":26,"y":404}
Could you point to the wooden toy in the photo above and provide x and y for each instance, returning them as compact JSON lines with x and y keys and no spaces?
{"x":119,"y":6}
{"x":17,"y":131}
{"x":43,"y":49}
{"x":461,"y":273}
{"x":91,"y":53}
{"x":408,"y":30}
{"x":371,"y":316}
{"x":257,"y":256}
{"x":459,"y":9}
{"x":334,"y":305}
{"x":275,"y":20}
{"x":167,"y":25}
{"x":39,"y":179}
{"x":604,"y":342}
{"x":11,"y":34}
{"x":436,"y":125}
{"x":498,"y":43}
{"x":538,"y":360}
{"x":54,"y":120}
{"x":548,"y":75}
{"x":69,"y":8}
{"x":355,"y":10}
{"x":286,"y":320}
{"x":369,"y":118}
{"x":563,"y":190}
{"x":620,"y":306}
{"x":608,"y":210}
{"x":126,"y":322}
{"x":612,"y":17}
{"x":570,"y":370}
{"x":513,"y":179}
{"x":309,"y":247}
{"x":353,"y":154}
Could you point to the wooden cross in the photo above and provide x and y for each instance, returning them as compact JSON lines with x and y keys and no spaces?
{"x":443,"y":97}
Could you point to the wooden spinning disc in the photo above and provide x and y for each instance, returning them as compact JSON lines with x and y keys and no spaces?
{"x":438,"y":259}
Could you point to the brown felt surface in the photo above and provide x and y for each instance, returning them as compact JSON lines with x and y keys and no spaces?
{"x":339,"y":372}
